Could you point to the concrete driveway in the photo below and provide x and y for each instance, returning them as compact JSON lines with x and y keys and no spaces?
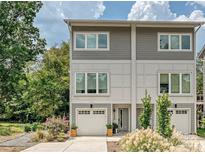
{"x":77,"y":144}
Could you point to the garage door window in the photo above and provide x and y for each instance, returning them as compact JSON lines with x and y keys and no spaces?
{"x":175,"y":83}
{"x":92,"y":83}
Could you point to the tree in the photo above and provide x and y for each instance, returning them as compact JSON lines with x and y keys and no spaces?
{"x":199,"y":76}
{"x":145,"y":117}
{"x":20,"y":43}
{"x":163,"y":116}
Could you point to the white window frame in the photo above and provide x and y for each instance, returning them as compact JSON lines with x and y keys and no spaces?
{"x":180,"y":84}
{"x":92,"y":49}
{"x":97,"y":92}
{"x":169,"y":41}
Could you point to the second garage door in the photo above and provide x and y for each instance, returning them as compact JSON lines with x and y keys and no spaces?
{"x":91,"y":121}
{"x":180,"y":120}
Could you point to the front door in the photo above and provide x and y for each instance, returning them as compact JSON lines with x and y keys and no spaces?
{"x":123,"y":119}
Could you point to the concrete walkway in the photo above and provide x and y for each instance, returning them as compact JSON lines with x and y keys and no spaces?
{"x":77,"y":144}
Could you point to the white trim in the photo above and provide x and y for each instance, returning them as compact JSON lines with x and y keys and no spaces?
{"x":180,"y":84}
{"x":97,"y":92}
{"x":169,"y":41}
{"x":92,"y":49}
{"x":101,"y":61}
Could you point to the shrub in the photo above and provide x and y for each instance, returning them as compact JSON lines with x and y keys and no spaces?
{"x":109,"y":126}
{"x":55,"y":126}
{"x":34,"y":127}
{"x":187,"y":147}
{"x":39,"y":136}
{"x":163,"y":116}
{"x":5,"y":131}
{"x":61,"y":137}
{"x":145,"y":117}
{"x":176,"y":138}
{"x":27,"y":128}
{"x":145,"y":140}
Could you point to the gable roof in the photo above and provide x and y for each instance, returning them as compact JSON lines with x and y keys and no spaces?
{"x":202,"y":53}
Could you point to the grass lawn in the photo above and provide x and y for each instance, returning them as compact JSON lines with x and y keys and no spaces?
{"x":8,"y":129}
{"x":201,"y":132}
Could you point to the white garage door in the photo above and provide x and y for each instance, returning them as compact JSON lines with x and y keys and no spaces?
{"x":91,"y":121}
{"x":180,"y":120}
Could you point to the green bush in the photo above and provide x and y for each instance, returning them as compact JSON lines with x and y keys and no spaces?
{"x":109,"y":126}
{"x":145,"y":117}
{"x":163,"y":116}
{"x":34,"y":127}
{"x":5,"y":131}
{"x":27,"y":128}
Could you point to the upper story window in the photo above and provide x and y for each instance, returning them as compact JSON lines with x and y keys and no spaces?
{"x":175,"y":83}
{"x":91,"y":83}
{"x":174,"y":42}
{"x":91,"y":41}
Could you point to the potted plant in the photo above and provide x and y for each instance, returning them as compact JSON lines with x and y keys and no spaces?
{"x":115,"y":127}
{"x":109,"y":129}
{"x":73,"y":131}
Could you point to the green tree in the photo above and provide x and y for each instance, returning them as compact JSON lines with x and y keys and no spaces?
{"x":20,"y":42}
{"x":163,"y":116}
{"x":199,"y":76}
{"x":145,"y":117}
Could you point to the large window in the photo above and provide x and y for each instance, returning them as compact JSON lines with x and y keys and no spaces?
{"x":91,"y":41}
{"x":175,"y":83}
{"x":174,"y":42}
{"x":91,"y":83}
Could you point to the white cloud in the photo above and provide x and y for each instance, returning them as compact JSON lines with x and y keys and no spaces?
{"x":196,"y":15}
{"x":151,"y":10}
{"x":50,"y":18}
{"x":202,"y":3}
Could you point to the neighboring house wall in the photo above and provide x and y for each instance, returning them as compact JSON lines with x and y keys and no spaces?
{"x":147,"y":41}
{"x":120,"y":44}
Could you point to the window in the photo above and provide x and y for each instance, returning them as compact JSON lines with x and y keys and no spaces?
{"x":91,"y":83}
{"x":186,"y":42}
{"x":91,"y":41}
{"x":102,"y":83}
{"x":185,"y":83}
{"x":164,"y":83}
{"x":164,"y":41}
{"x":175,"y":83}
{"x":174,"y":42}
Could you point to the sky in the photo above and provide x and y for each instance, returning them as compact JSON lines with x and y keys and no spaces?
{"x":52,"y":27}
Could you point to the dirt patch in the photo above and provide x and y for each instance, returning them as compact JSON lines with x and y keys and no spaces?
{"x":113,"y":147}
{"x":12,"y":149}
{"x":7,"y":138}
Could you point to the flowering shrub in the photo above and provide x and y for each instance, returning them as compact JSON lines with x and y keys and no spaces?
{"x":144,"y":140}
{"x":186,"y":147}
{"x":176,"y":138}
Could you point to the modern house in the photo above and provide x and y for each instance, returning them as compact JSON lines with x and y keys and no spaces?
{"x":114,"y":62}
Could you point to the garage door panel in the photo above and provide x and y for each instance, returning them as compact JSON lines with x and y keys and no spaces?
{"x":93,"y":123}
{"x":180,"y":120}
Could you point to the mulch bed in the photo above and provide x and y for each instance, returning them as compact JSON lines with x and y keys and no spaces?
{"x":12,"y":149}
{"x":113,"y":147}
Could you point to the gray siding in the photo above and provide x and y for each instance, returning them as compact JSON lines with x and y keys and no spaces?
{"x":80,"y":105}
{"x":146,"y":45}
{"x":120,"y":44}
{"x":192,"y":107}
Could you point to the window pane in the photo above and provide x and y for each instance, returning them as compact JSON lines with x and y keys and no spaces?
{"x":164,"y":42}
{"x":185,"y":83}
{"x":185,"y":42}
{"x":164,"y":83}
{"x":174,"y":41}
{"x":91,"y":41}
{"x":102,"y":40}
{"x":91,"y":82}
{"x":80,"y":83}
{"x":80,"y":41}
{"x":102,"y":83}
{"x":175,"y":83}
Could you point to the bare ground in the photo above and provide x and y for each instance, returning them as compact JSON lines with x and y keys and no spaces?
{"x":12,"y":149}
{"x":113,"y":147}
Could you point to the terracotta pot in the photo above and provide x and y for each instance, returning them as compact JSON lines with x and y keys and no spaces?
{"x":73,"y":133}
{"x":109,"y":132}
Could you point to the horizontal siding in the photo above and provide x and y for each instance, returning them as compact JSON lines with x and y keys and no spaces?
{"x":147,"y":40}
{"x":120,"y":44}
